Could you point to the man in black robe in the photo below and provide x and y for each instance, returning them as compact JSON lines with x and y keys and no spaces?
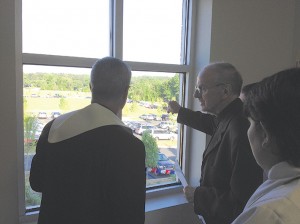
{"x":229,"y":173}
{"x":88,"y":165}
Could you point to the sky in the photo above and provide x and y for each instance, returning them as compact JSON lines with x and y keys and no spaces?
{"x":152,"y":29}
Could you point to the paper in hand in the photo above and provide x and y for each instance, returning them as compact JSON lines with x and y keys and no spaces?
{"x":180,"y":175}
{"x":201,"y":219}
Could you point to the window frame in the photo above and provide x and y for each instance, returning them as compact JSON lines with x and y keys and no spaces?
{"x":116,"y":46}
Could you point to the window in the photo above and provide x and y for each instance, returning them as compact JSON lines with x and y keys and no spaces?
{"x":157,"y":24}
{"x":66,"y":27}
{"x":61,"y":40}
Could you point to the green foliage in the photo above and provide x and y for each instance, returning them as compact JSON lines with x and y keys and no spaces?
{"x":151,"y":149}
{"x":133,"y":107}
{"x":173,"y":87}
{"x":154,"y":89}
{"x":63,"y":104}
{"x":32,"y":198}
{"x":130,"y":108}
{"x":25,"y":104}
{"x":64,"y":82}
{"x":143,"y":88}
{"x":30,"y":129}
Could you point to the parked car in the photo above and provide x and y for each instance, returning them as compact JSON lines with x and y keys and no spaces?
{"x":162,"y":134}
{"x":133,"y":124}
{"x":143,"y":116}
{"x":174,"y":129}
{"x":148,"y":116}
{"x":151,"y":117}
{"x":55,"y":114}
{"x":158,"y":118}
{"x":33,"y":138}
{"x":164,"y":165}
{"x":166,"y":125}
{"x":40,"y":127}
{"x":42,"y":115}
{"x":143,"y":127}
{"x":165,"y":117}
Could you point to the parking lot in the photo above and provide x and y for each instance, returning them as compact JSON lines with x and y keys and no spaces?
{"x":167,"y":146}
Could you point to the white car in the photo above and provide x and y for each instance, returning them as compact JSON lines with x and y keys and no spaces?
{"x":163,"y":134}
{"x":55,"y":114}
{"x":42,"y":115}
{"x":165,"y":124}
{"x":143,"y":127}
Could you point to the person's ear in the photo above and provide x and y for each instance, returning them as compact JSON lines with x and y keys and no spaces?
{"x":125,"y":95}
{"x":265,"y":135}
{"x":227,"y":89}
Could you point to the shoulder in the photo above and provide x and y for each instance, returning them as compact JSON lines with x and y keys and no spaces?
{"x":121,"y":135}
{"x":239,"y":121}
{"x":119,"y":131}
{"x":281,"y":203}
{"x":262,"y":214}
{"x":238,"y":124}
{"x":273,"y":211}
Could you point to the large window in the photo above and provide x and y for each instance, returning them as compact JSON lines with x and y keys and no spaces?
{"x":152,"y":31}
{"x":61,"y":40}
{"x":66,"y":27}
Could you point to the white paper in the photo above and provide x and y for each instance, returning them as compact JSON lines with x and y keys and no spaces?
{"x":180,"y":174}
{"x":201,"y":219}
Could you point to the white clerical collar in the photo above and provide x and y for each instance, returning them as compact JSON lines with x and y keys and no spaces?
{"x":77,"y":122}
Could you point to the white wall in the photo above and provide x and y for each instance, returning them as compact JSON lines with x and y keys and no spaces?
{"x":8,"y":143}
{"x":257,"y":36}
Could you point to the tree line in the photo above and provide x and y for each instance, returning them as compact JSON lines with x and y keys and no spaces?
{"x":142,"y":88}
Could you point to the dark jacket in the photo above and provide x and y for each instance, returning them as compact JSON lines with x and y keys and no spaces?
{"x":229,"y":172}
{"x":95,"y":177}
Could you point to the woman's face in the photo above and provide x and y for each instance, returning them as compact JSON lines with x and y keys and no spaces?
{"x":256,"y":137}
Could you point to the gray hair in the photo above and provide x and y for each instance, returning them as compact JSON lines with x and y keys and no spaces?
{"x":228,"y":74}
{"x":110,"y":77}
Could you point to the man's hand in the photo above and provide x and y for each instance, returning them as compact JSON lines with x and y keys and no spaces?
{"x":173,"y":107}
{"x":189,"y":193}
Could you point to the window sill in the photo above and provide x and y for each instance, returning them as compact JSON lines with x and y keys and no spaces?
{"x":155,"y":200}
{"x":164,"y":198}
{"x":29,"y":218}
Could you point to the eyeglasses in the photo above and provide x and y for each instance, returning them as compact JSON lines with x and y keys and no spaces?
{"x":204,"y":89}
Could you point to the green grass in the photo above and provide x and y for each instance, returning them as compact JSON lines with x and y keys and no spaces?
{"x":35,"y":105}
{"x":77,"y":100}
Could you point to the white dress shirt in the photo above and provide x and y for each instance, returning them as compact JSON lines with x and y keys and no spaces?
{"x":277,"y":200}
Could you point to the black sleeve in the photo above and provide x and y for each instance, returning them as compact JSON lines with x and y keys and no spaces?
{"x":195,"y":119}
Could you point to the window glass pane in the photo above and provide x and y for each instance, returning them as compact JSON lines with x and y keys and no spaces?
{"x":145,"y":111}
{"x":48,"y":92}
{"x":152,"y":31}
{"x":66,"y":27}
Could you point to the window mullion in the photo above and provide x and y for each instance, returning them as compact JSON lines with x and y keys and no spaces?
{"x":117,"y":28}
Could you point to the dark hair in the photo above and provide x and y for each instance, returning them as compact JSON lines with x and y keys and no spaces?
{"x":275,"y":101}
{"x":246,"y":89}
